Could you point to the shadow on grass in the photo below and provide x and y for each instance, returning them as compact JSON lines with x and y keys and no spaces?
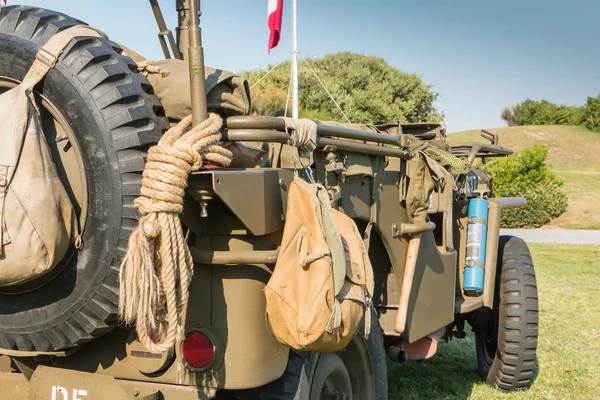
{"x":450,"y":374}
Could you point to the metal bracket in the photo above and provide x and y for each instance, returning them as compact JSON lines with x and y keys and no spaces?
{"x":335,"y":194}
{"x":491,"y":136}
{"x":402,"y":228}
{"x":164,"y":34}
{"x":334,"y":167}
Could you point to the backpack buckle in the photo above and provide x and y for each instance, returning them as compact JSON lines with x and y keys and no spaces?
{"x":46,"y":58}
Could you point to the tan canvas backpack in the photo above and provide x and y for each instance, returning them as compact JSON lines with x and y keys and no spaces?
{"x":37,"y":220}
{"x":320,"y":291}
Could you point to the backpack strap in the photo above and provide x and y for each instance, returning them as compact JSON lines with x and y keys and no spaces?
{"x":48,"y":54}
{"x":45,"y":60}
{"x":332,"y":236}
{"x":4,"y":238}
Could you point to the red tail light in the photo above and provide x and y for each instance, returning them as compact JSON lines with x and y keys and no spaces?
{"x":198,"y":350}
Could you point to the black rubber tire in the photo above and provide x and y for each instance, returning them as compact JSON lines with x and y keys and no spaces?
{"x":506,"y":337}
{"x":296,"y":382}
{"x":115,"y":118}
{"x":378,"y":358}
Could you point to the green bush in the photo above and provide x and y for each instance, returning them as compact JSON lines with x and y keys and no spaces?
{"x":531,"y":112}
{"x":271,"y":101}
{"x":367,"y":89}
{"x":527,"y":175}
{"x":592,"y":114}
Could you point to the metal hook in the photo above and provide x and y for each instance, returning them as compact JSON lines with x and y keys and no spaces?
{"x":307,"y":171}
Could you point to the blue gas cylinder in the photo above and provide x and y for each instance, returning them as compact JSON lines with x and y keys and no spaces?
{"x":475,"y":253}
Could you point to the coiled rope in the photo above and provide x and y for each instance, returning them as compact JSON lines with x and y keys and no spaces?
{"x":157,"y":269}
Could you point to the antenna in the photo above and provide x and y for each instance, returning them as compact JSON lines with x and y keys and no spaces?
{"x":196,"y":65}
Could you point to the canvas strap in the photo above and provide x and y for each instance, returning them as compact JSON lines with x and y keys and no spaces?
{"x":333,"y":239}
{"x":45,"y":60}
{"x":332,"y":236}
{"x":306,"y":260}
{"x":4,"y":238}
{"x":304,"y":134}
{"x":48,"y":54}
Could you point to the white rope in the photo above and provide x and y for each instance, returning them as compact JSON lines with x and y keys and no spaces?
{"x":268,"y":72}
{"x":326,"y":90}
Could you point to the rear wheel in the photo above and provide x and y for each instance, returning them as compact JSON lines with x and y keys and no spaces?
{"x":331,"y":379}
{"x":99,"y":117}
{"x":359,"y":372}
{"x":506,"y":337}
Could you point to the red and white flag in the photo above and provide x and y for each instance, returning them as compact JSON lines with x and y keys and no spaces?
{"x":275,"y":11}
{"x":2,"y":2}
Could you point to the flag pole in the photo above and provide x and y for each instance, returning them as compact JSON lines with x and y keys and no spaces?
{"x":294,"y":62}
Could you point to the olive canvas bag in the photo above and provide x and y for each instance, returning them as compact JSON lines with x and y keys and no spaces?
{"x":320,"y":291}
{"x":37,"y":220}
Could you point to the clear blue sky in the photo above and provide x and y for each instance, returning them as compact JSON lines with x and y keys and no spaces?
{"x":481,"y":55}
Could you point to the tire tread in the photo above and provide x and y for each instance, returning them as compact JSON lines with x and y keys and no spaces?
{"x":517,"y":305}
{"x":124,"y":100}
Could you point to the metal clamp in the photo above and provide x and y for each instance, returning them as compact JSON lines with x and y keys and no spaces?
{"x":474,"y":219}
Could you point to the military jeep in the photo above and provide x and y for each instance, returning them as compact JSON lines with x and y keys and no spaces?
{"x":60,"y":336}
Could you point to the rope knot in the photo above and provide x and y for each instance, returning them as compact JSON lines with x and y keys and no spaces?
{"x":150,"y":226}
{"x":157,"y":269}
{"x":192,"y":157}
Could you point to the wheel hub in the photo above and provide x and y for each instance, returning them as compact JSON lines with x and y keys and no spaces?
{"x":330,"y":392}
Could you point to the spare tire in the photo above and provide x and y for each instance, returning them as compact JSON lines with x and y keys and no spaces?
{"x":100,"y":116}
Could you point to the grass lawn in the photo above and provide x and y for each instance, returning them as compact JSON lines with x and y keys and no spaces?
{"x":568,"y":347}
{"x":588,"y":227}
{"x":583,"y":189}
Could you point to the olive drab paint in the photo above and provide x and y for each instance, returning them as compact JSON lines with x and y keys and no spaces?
{"x":235,"y":218}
